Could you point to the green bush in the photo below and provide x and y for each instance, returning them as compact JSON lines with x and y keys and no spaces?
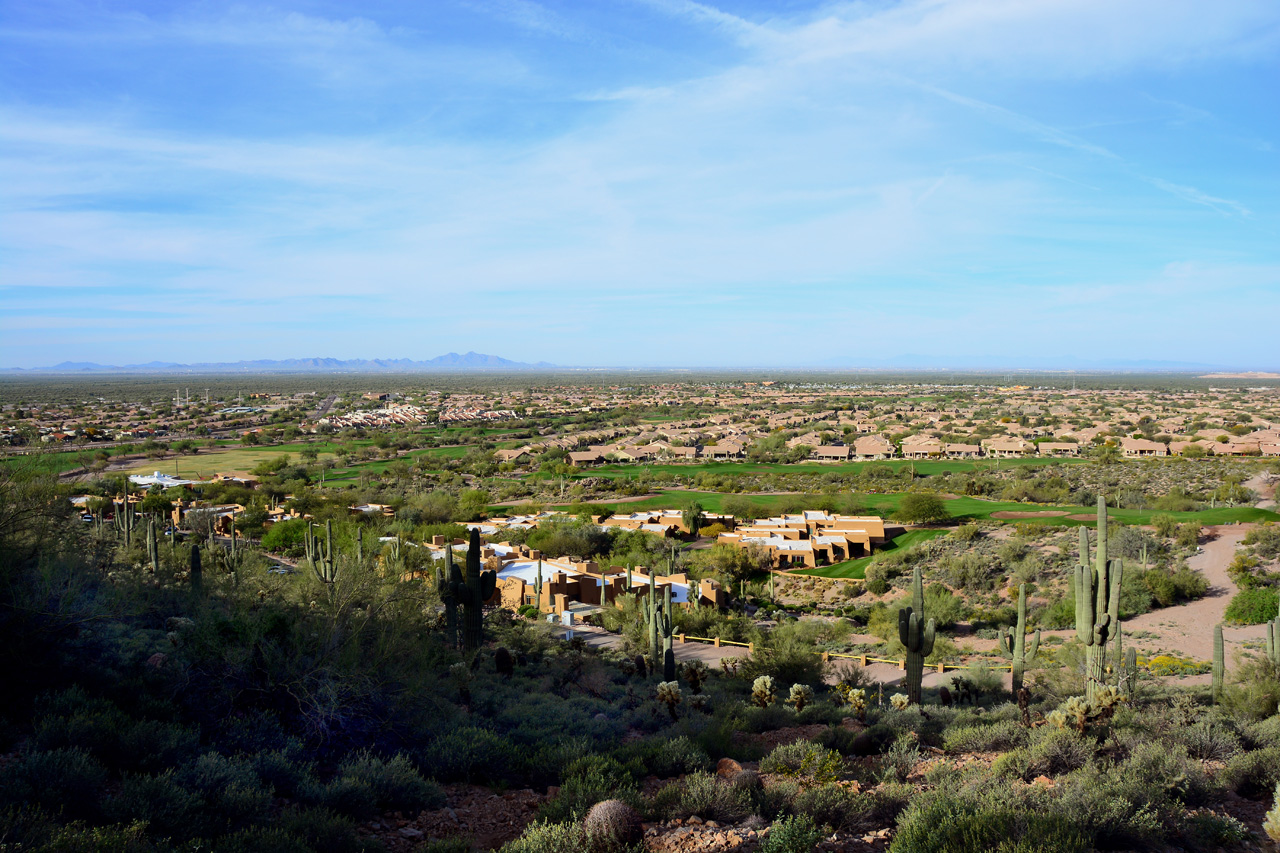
{"x":939,"y":824}
{"x":805,"y":759}
{"x":791,"y":835}
{"x":678,"y":756}
{"x":167,"y":808}
{"x":896,"y":764}
{"x":1253,"y":606}
{"x":705,"y":795}
{"x":1252,"y":774}
{"x":57,"y":779}
{"x":998,"y":737}
{"x":321,"y":831}
{"x":836,"y":806}
{"x":366,"y":784}
{"x":587,"y":781}
{"x":549,"y":838}
{"x":468,"y":754}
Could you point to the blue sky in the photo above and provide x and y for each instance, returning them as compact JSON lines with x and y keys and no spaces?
{"x":643,"y":182}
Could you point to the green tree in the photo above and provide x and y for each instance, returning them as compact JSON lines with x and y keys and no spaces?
{"x":922,"y":509}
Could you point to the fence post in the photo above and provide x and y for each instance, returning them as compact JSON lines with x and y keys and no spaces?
{"x":864,"y":660}
{"x":716,"y":642}
{"x":902,"y":664}
{"x":751,"y":648}
{"x":941,"y":668}
{"x":682,"y":639}
{"x":826,"y":657}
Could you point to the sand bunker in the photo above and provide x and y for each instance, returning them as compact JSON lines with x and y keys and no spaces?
{"x":1048,"y":513}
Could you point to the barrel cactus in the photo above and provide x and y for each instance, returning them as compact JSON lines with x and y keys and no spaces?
{"x":612,"y":825}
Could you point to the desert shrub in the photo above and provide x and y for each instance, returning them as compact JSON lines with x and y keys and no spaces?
{"x":705,"y":795}
{"x":287,"y":772}
{"x":1252,"y":774}
{"x":259,"y":839}
{"x":835,"y":806}
{"x":1169,"y":770}
{"x":366,"y":784}
{"x":99,"y":727}
{"x":791,"y":835}
{"x":999,"y":737}
{"x":57,"y":779}
{"x":1262,"y":734}
{"x":587,"y":781}
{"x":231,"y":795}
{"x":945,"y":823}
{"x":805,"y":759}
{"x":1057,"y":751}
{"x":549,"y":838}
{"x":1206,"y":830}
{"x":468,"y":754}
{"x":897,"y":763}
{"x":320,"y":830}
{"x":1209,"y":741}
{"x":612,"y":825}
{"x":1059,"y":614}
{"x":1255,"y":690}
{"x":1253,"y":606}
{"x":166,"y":807}
{"x":678,"y":756}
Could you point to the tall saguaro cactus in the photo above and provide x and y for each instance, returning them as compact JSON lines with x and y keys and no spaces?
{"x":153,"y":547}
{"x":652,"y":611}
{"x":1273,"y":642}
{"x":445,"y":584}
{"x":917,"y":635}
{"x":476,"y":587}
{"x":1013,"y":642}
{"x":197,"y":573}
{"x":666,"y":625}
{"x":1097,"y":594}
{"x":321,"y":559}
{"x":1219,"y":662}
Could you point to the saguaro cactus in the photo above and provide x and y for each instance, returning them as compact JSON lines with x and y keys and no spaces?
{"x":1273,"y":642}
{"x":916,"y":635}
{"x":197,"y":573}
{"x":1219,"y":662}
{"x":1131,"y":672}
{"x":1097,"y":594}
{"x":537,"y":586}
{"x":476,"y":588}
{"x":153,"y":547}
{"x":652,"y":612}
{"x":666,"y":625}
{"x":360,"y":546}
{"x":445,"y":583}
{"x":321,"y":559}
{"x":1013,"y":642}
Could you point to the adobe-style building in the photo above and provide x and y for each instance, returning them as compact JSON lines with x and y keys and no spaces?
{"x":811,"y":538}
{"x":1136,"y":448}
{"x":569,"y":584}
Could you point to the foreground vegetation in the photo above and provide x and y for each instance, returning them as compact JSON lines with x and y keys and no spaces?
{"x":151,"y":707}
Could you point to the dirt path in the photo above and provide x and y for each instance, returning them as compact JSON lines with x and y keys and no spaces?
{"x":598,"y":638}
{"x":1264,"y":485}
{"x":1188,"y":628}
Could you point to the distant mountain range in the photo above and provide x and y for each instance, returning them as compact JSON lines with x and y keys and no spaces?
{"x":443,"y":363}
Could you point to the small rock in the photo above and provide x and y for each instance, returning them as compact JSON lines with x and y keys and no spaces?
{"x":453,"y":816}
{"x":711,"y":824}
{"x":695,"y":821}
{"x":410,"y":832}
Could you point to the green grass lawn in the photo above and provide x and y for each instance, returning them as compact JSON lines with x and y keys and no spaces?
{"x":961,"y":509}
{"x":857,"y":569}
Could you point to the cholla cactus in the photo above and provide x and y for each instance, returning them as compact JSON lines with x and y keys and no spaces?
{"x":843,"y":694}
{"x":669,"y":695}
{"x":899,"y":701}
{"x":764,"y":691}
{"x":801,"y":695}
{"x":1272,"y":823}
{"x":1079,"y":712}
{"x":695,"y":673}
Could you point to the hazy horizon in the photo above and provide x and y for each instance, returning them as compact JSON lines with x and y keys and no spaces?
{"x":656,"y":182}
